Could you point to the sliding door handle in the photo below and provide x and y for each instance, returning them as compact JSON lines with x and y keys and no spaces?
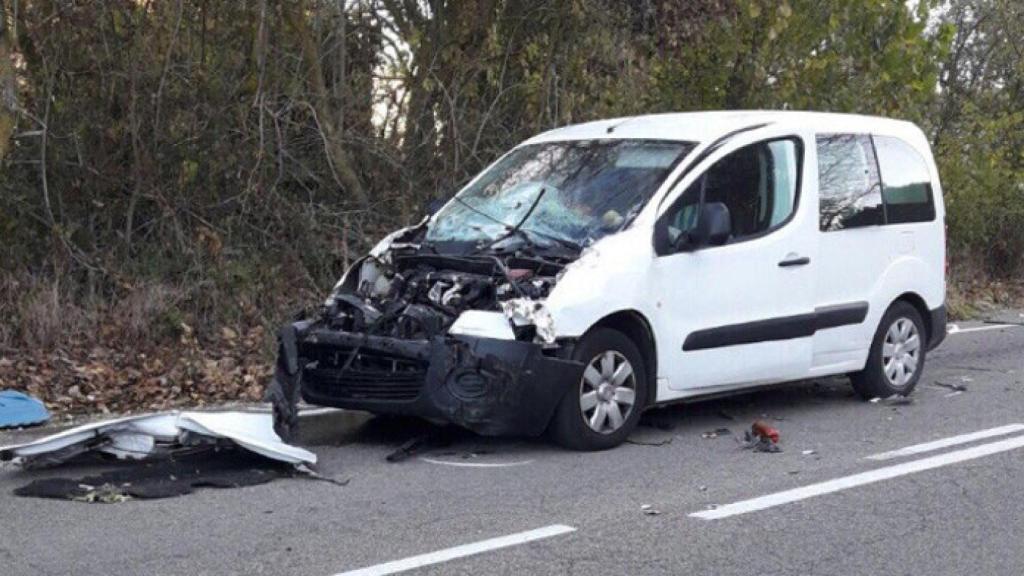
{"x":795,"y":261}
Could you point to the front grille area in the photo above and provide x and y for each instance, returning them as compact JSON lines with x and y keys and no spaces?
{"x":372,"y":375}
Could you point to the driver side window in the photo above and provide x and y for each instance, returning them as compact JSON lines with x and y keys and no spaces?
{"x":757,"y":183}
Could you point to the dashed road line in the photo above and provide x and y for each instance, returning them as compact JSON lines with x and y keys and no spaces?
{"x":870,"y":477}
{"x":460,"y":551}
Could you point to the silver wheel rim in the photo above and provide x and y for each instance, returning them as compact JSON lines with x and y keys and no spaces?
{"x":901,"y":352}
{"x":607,"y":392}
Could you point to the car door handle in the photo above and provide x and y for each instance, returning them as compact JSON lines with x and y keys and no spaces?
{"x":794,"y":261}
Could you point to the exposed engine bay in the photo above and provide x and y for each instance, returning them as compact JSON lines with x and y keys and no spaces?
{"x":411,"y":295}
{"x":383,"y":340}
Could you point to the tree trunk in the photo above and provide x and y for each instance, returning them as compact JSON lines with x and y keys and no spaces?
{"x":8,"y":86}
{"x":327,"y":116}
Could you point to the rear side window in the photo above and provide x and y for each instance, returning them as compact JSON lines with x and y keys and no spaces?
{"x":906,"y":184}
{"x":850,"y":192}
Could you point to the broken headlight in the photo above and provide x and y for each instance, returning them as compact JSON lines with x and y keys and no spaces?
{"x":522,"y":312}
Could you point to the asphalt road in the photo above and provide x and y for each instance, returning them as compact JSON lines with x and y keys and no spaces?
{"x":955,"y":509}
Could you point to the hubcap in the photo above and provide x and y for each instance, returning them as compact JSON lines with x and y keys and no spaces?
{"x":607,"y":392}
{"x":900,"y":352}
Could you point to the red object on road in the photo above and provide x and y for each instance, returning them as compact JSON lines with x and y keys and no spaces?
{"x":761,"y":429}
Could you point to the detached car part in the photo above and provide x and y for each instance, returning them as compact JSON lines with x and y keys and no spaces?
{"x":149,"y":435}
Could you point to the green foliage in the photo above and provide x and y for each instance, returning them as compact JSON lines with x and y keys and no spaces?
{"x":979,"y":134}
{"x":868,"y":57}
{"x":237,"y":149}
{"x":984,"y":190}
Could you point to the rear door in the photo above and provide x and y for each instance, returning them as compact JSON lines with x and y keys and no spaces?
{"x":877,"y":210}
{"x":740,"y":313}
{"x":854,"y":244}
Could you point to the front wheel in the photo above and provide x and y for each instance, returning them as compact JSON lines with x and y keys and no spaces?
{"x":897,"y":355}
{"x":603,"y":408}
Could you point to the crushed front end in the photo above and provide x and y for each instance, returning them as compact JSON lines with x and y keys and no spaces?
{"x":384,"y":341}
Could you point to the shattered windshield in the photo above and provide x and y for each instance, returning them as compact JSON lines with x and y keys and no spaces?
{"x":574,"y":191}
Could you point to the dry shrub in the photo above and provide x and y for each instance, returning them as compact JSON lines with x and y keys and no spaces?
{"x":40,"y":313}
{"x":149,"y":312}
{"x":973,"y":290}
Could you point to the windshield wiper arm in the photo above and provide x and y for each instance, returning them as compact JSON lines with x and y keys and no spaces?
{"x":517,"y":228}
{"x":571,"y":244}
{"x":481,"y":212}
{"x":533,"y":206}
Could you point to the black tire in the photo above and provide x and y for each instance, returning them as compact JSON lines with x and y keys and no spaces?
{"x":872,"y":381}
{"x":568,"y":427}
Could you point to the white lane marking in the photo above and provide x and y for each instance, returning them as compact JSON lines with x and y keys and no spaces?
{"x":954,"y":329}
{"x":947,"y":442}
{"x":827,"y":487}
{"x":476,"y":464}
{"x":460,"y":551}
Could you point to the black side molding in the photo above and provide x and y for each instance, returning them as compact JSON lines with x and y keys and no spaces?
{"x":840,"y":315}
{"x":783,"y":328}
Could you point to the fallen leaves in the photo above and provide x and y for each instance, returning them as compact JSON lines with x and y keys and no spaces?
{"x":120,"y":376}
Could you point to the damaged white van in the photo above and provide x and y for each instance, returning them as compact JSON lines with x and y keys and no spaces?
{"x":598,"y":270}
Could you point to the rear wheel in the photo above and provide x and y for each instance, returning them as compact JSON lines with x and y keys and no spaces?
{"x":603,"y":408}
{"x":897,"y":355}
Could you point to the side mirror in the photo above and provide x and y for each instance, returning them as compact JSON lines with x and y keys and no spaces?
{"x":714,"y":227}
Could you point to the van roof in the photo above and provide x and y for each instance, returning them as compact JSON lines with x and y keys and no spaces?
{"x":706,"y":126}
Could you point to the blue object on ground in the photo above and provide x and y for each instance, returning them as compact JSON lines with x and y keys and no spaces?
{"x":18,"y":409}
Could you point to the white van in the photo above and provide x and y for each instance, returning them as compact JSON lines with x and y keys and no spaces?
{"x":601,"y":269}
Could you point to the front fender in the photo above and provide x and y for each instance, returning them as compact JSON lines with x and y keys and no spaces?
{"x":607,"y":278}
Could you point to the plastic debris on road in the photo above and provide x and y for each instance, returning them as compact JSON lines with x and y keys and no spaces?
{"x":894,"y":400}
{"x":716,"y":433}
{"x":956,"y":387}
{"x":431,"y":440}
{"x":762,"y":429}
{"x":139,"y":437}
{"x":649,"y":510}
{"x":663,"y":442}
{"x":19,"y":409}
{"x":762,"y":438}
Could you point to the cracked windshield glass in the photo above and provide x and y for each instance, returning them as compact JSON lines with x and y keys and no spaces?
{"x":572,"y":192}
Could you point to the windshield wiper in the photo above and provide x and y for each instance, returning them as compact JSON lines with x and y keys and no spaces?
{"x":533,"y":206}
{"x":517,"y":228}
{"x":481,"y":212}
{"x":573,"y":245}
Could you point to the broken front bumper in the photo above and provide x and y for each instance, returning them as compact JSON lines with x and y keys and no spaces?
{"x":493,"y":387}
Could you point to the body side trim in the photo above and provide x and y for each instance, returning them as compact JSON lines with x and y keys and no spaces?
{"x":783,"y":328}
